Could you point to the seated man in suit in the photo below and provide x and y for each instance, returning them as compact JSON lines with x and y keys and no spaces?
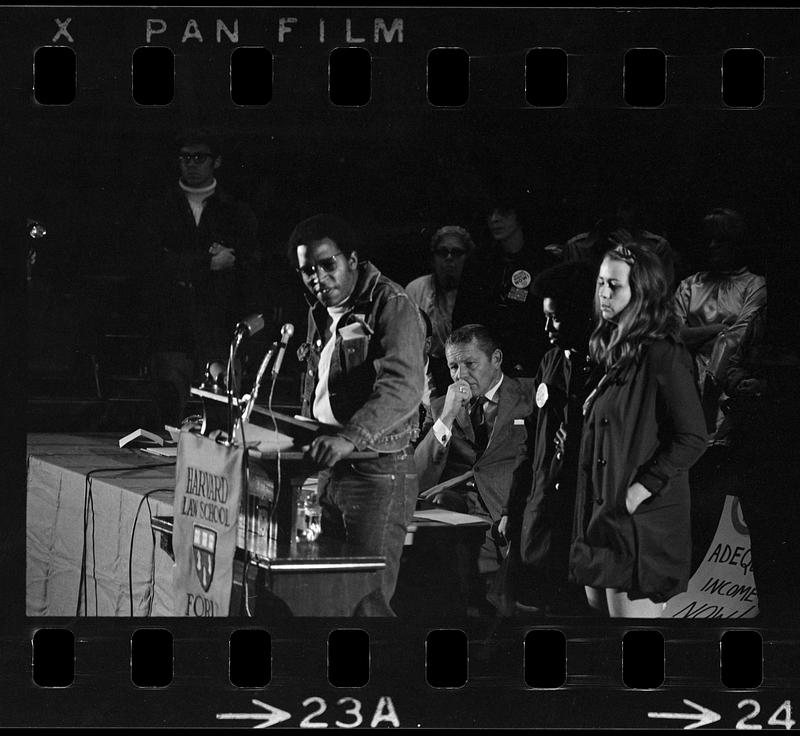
{"x":475,"y":446}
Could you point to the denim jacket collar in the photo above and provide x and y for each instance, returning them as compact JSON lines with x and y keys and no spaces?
{"x":375,"y":385}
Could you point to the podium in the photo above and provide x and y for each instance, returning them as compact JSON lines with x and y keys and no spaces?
{"x":322,"y":578}
{"x":276,"y":443}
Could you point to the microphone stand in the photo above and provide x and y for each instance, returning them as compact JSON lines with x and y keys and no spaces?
{"x":229,"y":385}
{"x":248,"y":326}
{"x":262,"y":369}
{"x":235,"y":343}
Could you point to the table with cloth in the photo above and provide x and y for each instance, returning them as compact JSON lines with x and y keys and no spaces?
{"x":93,"y":536}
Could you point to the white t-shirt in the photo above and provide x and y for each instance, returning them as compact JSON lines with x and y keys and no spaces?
{"x":322,"y":400}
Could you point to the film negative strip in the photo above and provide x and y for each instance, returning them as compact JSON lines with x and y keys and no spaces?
{"x":401,"y":121}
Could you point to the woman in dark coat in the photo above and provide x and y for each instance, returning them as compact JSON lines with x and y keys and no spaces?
{"x":643,"y":429}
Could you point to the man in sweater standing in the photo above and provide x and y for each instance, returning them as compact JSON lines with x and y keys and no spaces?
{"x":202,"y":272}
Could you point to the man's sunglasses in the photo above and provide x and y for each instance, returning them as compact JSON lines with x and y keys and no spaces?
{"x":197,"y":158}
{"x":453,"y":252}
{"x":328,"y":265}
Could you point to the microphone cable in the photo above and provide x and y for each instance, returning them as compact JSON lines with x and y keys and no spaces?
{"x":88,"y":503}
{"x":145,"y":499}
{"x":230,"y":381}
{"x":277,"y":490}
{"x":245,"y":500}
{"x":287,"y":331}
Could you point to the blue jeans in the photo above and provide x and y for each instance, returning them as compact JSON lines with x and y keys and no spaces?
{"x":370,"y":503}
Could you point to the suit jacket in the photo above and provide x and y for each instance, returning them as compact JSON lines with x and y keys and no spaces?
{"x":502,"y":474}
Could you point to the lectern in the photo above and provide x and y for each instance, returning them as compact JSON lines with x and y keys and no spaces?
{"x":285,"y":576}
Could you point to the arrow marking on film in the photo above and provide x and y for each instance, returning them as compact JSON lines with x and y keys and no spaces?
{"x":702,"y":717}
{"x":270,"y":717}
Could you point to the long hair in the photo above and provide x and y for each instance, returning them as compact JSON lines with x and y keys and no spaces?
{"x":618,"y":344}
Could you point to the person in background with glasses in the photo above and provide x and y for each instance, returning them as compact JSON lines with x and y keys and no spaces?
{"x":435,"y":294}
{"x":363,"y":380}
{"x":203,"y":273}
{"x":643,"y":429}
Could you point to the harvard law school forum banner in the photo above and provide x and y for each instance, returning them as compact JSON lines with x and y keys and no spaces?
{"x":208,"y":486}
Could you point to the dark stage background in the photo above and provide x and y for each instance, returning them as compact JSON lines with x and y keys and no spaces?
{"x":397,"y":168}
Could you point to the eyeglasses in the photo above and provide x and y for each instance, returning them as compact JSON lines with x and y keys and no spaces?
{"x":328,"y":265}
{"x":195,"y":158}
{"x":452,"y":252}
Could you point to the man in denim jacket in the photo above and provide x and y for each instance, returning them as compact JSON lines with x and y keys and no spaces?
{"x":363,"y":381}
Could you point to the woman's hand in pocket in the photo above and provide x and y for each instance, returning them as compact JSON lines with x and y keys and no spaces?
{"x":635,"y":495}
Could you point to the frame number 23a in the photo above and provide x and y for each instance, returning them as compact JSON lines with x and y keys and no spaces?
{"x":349,"y":713}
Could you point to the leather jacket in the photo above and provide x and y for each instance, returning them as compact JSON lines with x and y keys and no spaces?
{"x":377,"y":371}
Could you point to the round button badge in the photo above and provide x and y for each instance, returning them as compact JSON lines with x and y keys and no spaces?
{"x":521,"y":279}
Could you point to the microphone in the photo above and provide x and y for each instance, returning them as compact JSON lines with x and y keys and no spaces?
{"x":250,"y":325}
{"x":214,"y":378}
{"x":35,"y":229}
{"x":286,"y":332}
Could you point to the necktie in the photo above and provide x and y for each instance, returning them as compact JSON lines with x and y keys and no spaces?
{"x":477,"y":417}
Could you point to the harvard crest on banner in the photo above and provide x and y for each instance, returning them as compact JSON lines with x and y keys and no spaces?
{"x":205,"y":546}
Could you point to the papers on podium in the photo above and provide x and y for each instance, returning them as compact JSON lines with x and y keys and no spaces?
{"x":142,"y":435}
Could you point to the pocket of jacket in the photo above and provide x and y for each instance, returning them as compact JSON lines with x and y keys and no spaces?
{"x":355,"y":351}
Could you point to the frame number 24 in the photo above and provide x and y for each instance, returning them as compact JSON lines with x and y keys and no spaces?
{"x":782,"y":717}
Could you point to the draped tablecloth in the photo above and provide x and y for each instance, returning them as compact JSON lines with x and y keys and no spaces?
{"x":68,"y":513}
